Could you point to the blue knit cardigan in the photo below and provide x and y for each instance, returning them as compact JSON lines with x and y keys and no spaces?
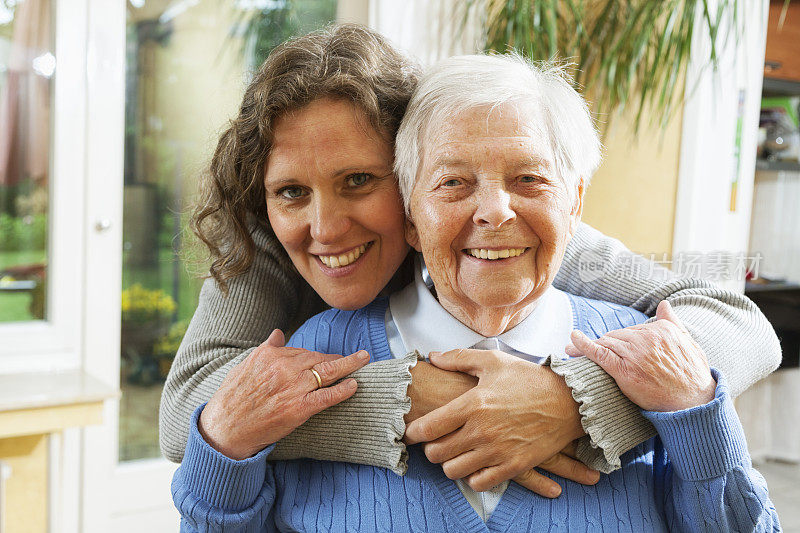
{"x":696,"y":476}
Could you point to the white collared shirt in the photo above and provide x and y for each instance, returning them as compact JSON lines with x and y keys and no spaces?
{"x":416,"y":321}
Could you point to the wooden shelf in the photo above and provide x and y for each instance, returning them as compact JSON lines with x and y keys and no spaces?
{"x":776,"y":87}
{"x":786,"y":166}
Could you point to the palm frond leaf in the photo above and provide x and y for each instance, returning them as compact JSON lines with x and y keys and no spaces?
{"x":629,"y":53}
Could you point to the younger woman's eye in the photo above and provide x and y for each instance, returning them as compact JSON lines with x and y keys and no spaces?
{"x":357,"y":180}
{"x":291,"y":193}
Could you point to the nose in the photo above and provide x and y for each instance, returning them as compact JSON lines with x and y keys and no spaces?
{"x":330,"y":220}
{"x":494,"y":207}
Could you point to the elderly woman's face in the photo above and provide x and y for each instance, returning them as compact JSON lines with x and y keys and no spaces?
{"x":488,"y":212}
{"x":333,"y":202}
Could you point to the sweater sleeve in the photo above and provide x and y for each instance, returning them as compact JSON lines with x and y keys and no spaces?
{"x":370,"y":422}
{"x":226,"y":329}
{"x":709,"y":483}
{"x":373,"y":416}
{"x":215,"y":493}
{"x":734,"y":334}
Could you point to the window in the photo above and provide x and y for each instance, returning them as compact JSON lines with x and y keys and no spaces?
{"x":27,"y":68}
{"x":43,"y":119}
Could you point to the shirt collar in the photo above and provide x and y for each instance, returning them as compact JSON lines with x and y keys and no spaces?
{"x":426,"y":326}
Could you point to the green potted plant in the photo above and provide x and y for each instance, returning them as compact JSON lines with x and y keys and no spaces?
{"x":627,"y":54}
{"x":167,"y":346}
{"x":146,"y":317}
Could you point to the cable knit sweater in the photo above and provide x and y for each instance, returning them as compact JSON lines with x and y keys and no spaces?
{"x":367,"y":428}
{"x":695,"y":476}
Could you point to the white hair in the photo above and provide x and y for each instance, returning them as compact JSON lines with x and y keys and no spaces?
{"x":461,"y":83}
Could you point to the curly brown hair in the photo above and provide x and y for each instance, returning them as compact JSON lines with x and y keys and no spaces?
{"x":344,"y":61}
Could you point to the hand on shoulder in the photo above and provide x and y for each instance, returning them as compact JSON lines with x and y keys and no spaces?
{"x":657,"y":365}
{"x":272,"y":392}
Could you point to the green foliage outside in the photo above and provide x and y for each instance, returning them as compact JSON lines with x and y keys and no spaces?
{"x":146,"y":327}
{"x":15,"y":307}
{"x":22,"y":257}
{"x":266,"y":28}
{"x":22,"y":233}
{"x":20,"y":306}
{"x":167,"y":346}
{"x":168,"y":274}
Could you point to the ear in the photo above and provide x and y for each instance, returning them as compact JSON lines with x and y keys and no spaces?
{"x":412,"y":237}
{"x":577,"y":208}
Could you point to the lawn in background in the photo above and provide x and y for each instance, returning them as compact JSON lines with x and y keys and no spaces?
{"x":14,"y":307}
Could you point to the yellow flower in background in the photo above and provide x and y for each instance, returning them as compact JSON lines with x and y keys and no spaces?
{"x":142,"y":305}
{"x":168,"y":344}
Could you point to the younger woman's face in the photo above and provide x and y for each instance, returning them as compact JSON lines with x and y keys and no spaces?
{"x":333,"y":202}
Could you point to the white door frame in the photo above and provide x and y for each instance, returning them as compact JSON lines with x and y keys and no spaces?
{"x":116,"y":497}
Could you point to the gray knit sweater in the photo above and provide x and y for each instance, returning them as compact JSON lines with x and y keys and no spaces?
{"x":367,"y":428}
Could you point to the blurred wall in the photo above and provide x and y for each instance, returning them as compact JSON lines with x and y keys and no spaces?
{"x":199,"y":66}
{"x":356,"y":11}
{"x":632,"y":195}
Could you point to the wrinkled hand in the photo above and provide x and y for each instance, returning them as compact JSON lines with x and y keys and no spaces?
{"x":272,"y":392}
{"x":564,"y":464}
{"x":519,"y":416}
{"x":432,"y":387}
{"x":657,"y":365}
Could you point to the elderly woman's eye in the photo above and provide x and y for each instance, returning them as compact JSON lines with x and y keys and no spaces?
{"x":530,"y":179}
{"x":452,"y":183}
{"x":291,"y":193}
{"x":357,"y":180}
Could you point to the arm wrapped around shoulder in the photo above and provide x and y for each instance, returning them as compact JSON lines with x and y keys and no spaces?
{"x":371,"y":421}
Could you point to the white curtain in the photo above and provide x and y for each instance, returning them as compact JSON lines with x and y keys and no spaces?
{"x":25,"y":97}
{"x":429,"y":30}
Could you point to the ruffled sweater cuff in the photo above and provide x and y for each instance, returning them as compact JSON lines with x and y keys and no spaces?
{"x":367,"y":428}
{"x":613,"y":424}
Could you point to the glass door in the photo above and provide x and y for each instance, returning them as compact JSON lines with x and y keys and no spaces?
{"x":186,"y":63}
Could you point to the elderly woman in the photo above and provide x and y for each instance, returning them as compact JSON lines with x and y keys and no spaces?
{"x":320,"y":118}
{"x":493,"y":176}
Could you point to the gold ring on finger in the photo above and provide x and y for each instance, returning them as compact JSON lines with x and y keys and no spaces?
{"x":316,"y":375}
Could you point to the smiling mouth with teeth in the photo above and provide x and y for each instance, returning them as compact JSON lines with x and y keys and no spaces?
{"x":338,"y":261}
{"x":482,"y":253}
